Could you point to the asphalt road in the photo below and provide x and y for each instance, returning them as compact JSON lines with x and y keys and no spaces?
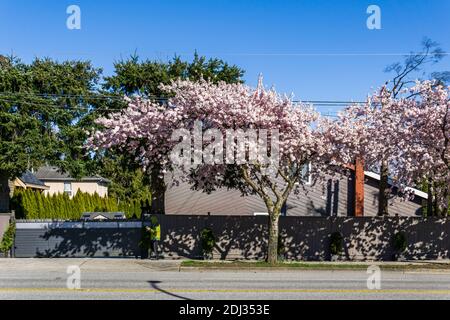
{"x":137,"y":279}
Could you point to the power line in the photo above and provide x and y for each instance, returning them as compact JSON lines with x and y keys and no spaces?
{"x":328,"y":101}
{"x":53,"y":95}
{"x":45,"y":102}
{"x":302,"y":54}
{"x":159,"y":98}
{"x":115,"y":96}
{"x":59,"y":106}
{"x":79,"y":108}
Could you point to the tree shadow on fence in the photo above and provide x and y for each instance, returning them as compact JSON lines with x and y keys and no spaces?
{"x":245,"y":237}
{"x":236,"y":237}
{"x":96,"y":242}
{"x":307,"y":238}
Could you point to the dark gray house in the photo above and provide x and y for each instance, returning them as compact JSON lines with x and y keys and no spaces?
{"x":336,"y":197}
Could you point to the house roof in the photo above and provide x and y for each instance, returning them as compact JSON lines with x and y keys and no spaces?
{"x":416,"y":192}
{"x":48,"y":173}
{"x":30,"y":181}
{"x":105,"y":215}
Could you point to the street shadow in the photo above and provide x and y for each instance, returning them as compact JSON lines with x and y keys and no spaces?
{"x":154,"y":285}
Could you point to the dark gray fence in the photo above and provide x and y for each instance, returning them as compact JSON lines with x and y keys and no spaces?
{"x":77,"y":239}
{"x":243,"y":237}
{"x":307,"y":238}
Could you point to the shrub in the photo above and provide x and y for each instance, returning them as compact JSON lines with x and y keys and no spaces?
{"x":207,"y":241}
{"x":399,"y":242}
{"x":336,"y":243}
{"x":30,"y":204}
{"x":8,"y":239}
{"x":144,"y":242}
{"x":281,"y":247}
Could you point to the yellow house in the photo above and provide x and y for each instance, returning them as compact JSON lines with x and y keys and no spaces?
{"x":26,"y":181}
{"x":29,"y":181}
{"x":59,"y":182}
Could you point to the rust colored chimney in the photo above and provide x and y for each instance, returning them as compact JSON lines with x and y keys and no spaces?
{"x":359,"y":187}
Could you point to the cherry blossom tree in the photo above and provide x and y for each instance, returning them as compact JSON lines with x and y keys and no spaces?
{"x":424,"y":151}
{"x":294,"y":132}
{"x":405,"y":73}
{"x":408,"y":135}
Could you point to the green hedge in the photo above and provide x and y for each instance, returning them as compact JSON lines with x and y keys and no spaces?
{"x":8,"y":239}
{"x":30,"y":204}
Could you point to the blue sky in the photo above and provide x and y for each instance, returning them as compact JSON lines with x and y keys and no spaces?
{"x":277,"y":38}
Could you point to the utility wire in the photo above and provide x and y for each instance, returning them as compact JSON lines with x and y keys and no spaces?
{"x":118,"y":97}
{"x":81,"y":108}
{"x":6,"y":97}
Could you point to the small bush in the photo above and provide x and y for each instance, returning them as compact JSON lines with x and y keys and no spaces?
{"x":207,"y":241}
{"x":145,"y":240}
{"x":399,"y":242}
{"x":8,"y":239}
{"x":281,"y":247}
{"x":336,"y":243}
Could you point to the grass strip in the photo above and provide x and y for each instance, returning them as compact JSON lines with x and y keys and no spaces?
{"x":312,"y":265}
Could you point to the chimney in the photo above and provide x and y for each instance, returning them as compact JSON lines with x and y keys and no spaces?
{"x":359,"y":187}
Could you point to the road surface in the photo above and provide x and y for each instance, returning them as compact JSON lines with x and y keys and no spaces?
{"x":138,"y":279}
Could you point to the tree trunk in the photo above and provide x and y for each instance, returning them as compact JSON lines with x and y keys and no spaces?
{"x":158,"y":188}
{"x":272,"y":252}
{"x":383,"y":193}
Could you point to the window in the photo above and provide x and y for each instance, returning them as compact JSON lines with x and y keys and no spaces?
{"x":306,"y":174}
{"x":68,"y":188}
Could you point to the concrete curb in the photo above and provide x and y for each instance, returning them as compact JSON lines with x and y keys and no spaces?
{"x":255,"y":270}
{"x":411,"y":267}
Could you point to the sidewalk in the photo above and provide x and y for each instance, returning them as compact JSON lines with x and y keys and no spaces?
{"x":90,"y":264}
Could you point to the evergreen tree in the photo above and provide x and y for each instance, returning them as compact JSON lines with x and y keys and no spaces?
{"x":42,"y":117}
{"x":134,"y":76}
